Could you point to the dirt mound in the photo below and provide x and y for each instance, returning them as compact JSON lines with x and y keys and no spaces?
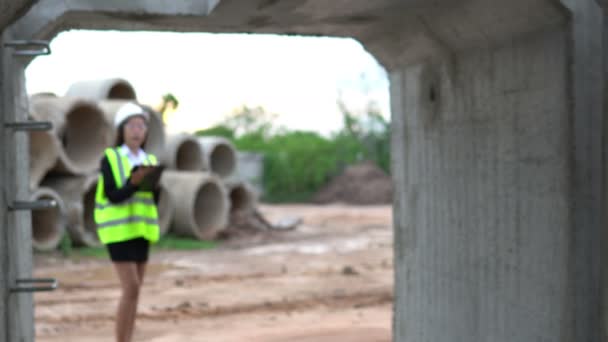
{"x":364,"y":183}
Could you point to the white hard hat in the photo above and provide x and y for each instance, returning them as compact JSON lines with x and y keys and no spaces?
{"x":128,"y":110}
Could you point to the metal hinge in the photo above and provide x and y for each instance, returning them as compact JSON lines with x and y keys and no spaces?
{"x":24,"y":285}
{"x":30,"y":126}
{"x":35,"y":205}
{"x":29,"y":47}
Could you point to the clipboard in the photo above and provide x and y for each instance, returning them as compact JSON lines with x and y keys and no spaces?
{"x":150,"y":181}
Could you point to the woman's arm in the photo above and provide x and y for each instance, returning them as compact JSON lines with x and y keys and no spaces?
{"x":156,"y":195}
{"x":109,"y":185}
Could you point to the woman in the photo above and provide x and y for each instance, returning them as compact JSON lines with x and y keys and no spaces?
{"x":126,"y":217}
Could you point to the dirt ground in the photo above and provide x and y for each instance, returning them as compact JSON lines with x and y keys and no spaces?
{"x":331,"y":279}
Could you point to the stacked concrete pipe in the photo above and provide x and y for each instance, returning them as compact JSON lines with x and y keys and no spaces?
{"x":87,"y":216}
{"x":43,"y":94}
{"x":48,"y":225}
{"x":155,"y":142}
{"x":166,"y":209}
{"x":242,"y":196}
{"x":81,"y":129}
{"x":183,"y":153}
{"x":44,"y":153}
{"x":201,"y":203}
{"x":78,"y":194}
{"x":156,"y":132}
{"x":112,"y":88}
{"x":219,"y":155}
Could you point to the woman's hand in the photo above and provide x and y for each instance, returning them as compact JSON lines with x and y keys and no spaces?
{"x":138,"y":175}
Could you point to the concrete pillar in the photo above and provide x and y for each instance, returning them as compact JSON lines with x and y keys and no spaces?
{"x":498,"y":163}
{"x":605,"y":103}
{"x":16,"y":309}
{"x":3,"y":220}
{"x":604,"y":5}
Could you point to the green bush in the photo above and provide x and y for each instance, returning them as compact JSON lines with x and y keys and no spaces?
{"x":297,"y":163}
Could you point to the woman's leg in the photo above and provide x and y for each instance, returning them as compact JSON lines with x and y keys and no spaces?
{"x":141,"y":271}
{"x":127,"y":308}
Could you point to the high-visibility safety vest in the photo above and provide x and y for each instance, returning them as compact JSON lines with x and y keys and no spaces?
{"x":136,"y":217}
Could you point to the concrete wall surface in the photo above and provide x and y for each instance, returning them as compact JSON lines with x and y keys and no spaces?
{"x":11,"y":10}
{"x":498,"y":156}
{"x":483,"y":245}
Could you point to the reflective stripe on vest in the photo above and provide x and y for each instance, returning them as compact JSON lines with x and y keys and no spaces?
{"x":133,"y":218}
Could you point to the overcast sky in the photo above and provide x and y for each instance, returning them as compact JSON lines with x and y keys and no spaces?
{"x":298,"y":78}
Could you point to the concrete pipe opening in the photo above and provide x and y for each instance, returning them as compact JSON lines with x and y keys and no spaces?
{"x":80,"y":128}
{"x":188,"y":157}
{"x":242,"y":197}
{"x":155,"y":141}
{"x":223,"y":160}
{"x":85,"y":137}
{"x":121,"y":90}
{"x":209,"y":209}
{"x":220,"y":155}
{"x":47,"y":225}
{"x":44,"y":151}
{"x":201,"y":203}
{"x":184,"y":153}
{"x":113,"y":88}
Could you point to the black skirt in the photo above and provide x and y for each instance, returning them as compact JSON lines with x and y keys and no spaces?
{"x":135,"y":250}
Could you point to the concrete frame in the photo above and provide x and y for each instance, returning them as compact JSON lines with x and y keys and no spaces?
{"x":16,"y":314}
{"x":500,"y":223}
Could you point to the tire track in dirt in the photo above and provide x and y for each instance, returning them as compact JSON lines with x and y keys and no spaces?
{"x":189,"y":310}
{"x":183,"y":280}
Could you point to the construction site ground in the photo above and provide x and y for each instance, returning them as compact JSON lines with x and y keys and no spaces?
{"x":330,"y":279}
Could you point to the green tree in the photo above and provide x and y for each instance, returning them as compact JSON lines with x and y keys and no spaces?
{"x":364,"y":137}
{"x":250,"y":120}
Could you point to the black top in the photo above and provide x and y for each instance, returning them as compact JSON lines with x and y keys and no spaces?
{"x":114,"y":194}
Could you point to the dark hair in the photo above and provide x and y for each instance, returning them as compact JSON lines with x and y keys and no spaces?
{"x":120,"y":136}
